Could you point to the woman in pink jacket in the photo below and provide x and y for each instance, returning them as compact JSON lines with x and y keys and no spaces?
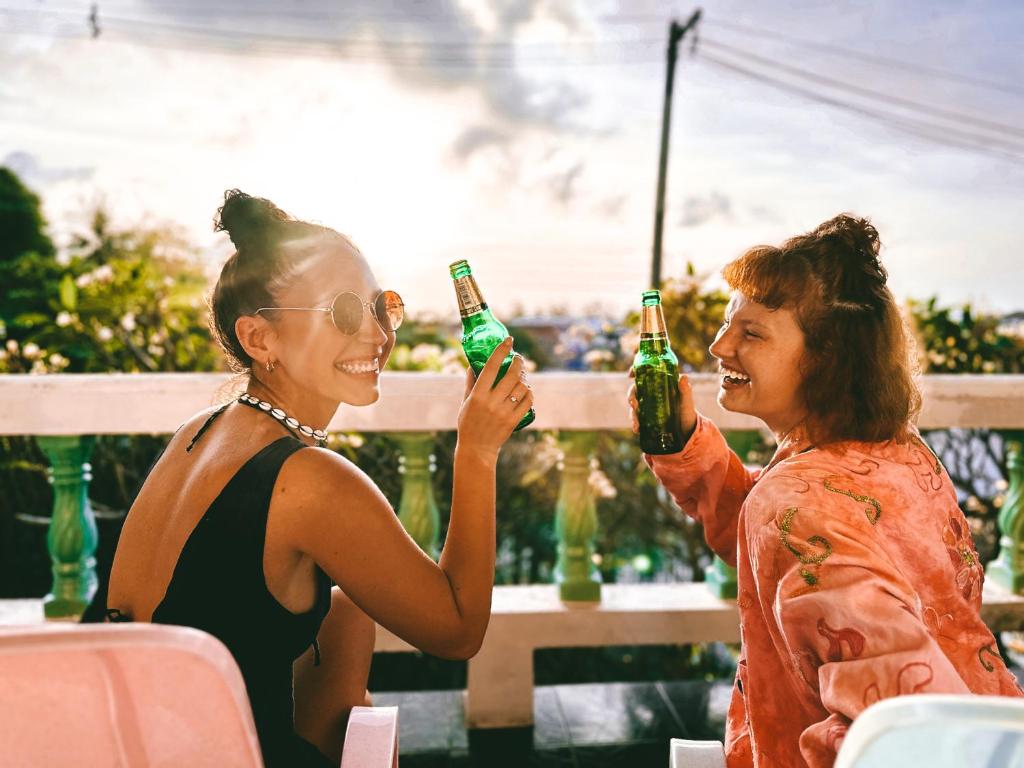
{"x":858,"y":579}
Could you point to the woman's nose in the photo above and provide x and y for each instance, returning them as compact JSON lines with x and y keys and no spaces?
{"x":370,"y":330}
{"x":722,"y":346}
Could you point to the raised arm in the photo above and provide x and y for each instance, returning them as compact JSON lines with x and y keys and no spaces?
{"x":342,"y":520}
{"x":707,"y":479}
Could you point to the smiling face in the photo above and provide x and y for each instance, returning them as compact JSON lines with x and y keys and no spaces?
{"x":314,"y":359}
{"x":759,"y":352}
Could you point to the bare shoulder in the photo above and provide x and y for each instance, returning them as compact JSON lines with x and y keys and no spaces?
{"x":314,"y":482}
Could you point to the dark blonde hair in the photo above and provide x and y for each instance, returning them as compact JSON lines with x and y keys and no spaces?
{"x":260,"y":266}
{"x":858,"y":369}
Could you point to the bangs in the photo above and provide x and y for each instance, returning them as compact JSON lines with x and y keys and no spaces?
{"x":769,"y":276}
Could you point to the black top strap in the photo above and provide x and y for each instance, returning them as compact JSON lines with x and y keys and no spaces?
{"x":206,"y":425}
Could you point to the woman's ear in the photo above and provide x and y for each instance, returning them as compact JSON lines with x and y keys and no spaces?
{"x":257,"y":337}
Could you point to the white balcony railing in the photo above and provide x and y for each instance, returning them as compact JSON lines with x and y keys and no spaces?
{"x":500,"y":677}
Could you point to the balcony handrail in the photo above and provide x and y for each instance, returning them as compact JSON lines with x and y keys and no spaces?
{"x":158,"y":403}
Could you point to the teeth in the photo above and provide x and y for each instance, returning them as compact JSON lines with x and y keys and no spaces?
{"x":729,"y":373}
{"x":363,"y":366}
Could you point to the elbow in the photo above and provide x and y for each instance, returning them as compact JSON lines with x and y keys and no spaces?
{"x":462,"y":649}
{"x":461,"y":645}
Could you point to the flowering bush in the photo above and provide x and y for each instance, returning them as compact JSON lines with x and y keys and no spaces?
{"x":596,"y":346}
{"x":424,"y":356}
{"x":114,"y":301}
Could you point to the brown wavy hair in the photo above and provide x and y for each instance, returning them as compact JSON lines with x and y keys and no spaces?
{"x":859,"y":373}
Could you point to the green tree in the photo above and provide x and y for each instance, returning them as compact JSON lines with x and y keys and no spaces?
{"x":693,"y":314}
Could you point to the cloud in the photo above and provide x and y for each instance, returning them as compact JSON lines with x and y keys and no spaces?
{"x":432,"y":44}
{"x":33,"y":173}
{"x":563,"y":185}
{"x":698,"y":210}
{"x":478,"y":137}
{"x":612,"y":207}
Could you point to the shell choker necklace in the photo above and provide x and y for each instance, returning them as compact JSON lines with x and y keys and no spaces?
{"x":290,"y":422}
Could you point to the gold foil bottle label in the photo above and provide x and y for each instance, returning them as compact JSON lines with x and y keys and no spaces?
{"x":470,"y":300}
{"x":652,"y":322}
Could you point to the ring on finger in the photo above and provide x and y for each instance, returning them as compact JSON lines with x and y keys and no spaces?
{"x":514,"y":398}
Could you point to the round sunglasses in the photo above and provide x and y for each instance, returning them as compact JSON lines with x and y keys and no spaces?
{"x":346,"y":311}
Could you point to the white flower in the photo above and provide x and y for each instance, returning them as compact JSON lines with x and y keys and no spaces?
{"x":103,"y":274}
{"x":629,"y":343}
{"x":424,"y":353}
{"x":83,"y":280}
{"x":155,"y":350}
{"x":30,"y":350}
{"x":63,"y":258}
{"x":3,"y":354}
{"x":58,"y":361}
{"x":104,"y":334}
{"x":128,"y":322}
{"x":38,"y":367}
{"x":12,"y":346}
{"x":64,"y":319}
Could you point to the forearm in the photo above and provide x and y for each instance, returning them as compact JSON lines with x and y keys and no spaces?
{"x":709,"y":483}
{"x":468,"y":556}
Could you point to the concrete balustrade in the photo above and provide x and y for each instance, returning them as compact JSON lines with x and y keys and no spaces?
{"x":65,"y":411}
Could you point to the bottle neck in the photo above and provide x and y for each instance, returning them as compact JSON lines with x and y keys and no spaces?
{"x":471,"y":301}
{"x":652,"y":322}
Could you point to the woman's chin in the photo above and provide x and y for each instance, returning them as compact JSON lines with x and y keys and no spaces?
{"x":729,"y":402}
{"x":364,"y":396}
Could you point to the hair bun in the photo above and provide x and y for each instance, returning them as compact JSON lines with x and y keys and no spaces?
{"x":855,"y":245}
{"x":248,"y":220}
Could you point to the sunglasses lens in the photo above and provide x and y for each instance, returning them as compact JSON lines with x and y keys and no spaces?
{"x":348,"y":313}
{"x":390,"y":310}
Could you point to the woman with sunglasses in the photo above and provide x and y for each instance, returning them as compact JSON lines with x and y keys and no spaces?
{"x":243,"y":523}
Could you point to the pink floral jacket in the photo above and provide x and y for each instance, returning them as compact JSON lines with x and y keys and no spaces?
{"x":858,"y":580}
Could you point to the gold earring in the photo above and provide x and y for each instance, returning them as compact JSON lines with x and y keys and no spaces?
{"x":270,"y":366}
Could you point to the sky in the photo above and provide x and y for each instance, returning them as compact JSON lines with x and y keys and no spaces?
{"x":523,"y":135}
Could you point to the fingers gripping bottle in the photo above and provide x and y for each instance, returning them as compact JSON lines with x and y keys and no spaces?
{"x":656,"y":368}
{"x":481,"y":330}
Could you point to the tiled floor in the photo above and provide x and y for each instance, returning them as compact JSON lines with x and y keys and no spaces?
{"x":596,"y":725}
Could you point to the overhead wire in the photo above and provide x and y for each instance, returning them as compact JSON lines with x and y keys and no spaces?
{"x":921,"y":129}
{"x":865,"y":56}
{"x":888,"y":98}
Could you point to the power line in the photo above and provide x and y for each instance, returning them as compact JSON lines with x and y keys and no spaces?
{"x":921,"y":129}
{"x":888,"y":98}
{"x":853,"y":53}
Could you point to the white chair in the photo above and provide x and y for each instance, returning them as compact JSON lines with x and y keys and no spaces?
{"x":938,"y":731}
{"x":934,"y":730}
{"x":142,"y":695}
{"x":684,"y":753}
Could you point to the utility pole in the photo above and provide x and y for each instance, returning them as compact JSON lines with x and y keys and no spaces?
{"x":676,"y":33}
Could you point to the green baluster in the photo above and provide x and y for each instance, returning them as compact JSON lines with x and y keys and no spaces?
{"x":1007,"y":569}
{"x":71,"y":538}
{"x":576,"y":520}
{"x":418,"y":508}
{"x":721,"y":579}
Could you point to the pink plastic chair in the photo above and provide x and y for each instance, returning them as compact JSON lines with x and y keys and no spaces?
{"x":143,"y":695}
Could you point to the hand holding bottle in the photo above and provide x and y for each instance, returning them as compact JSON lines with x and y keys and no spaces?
{"x":491,"y":410}
{"x":687,"y":409}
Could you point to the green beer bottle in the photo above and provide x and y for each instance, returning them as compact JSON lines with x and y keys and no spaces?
{"x":481,"y":330}
{"x":657,"y":382}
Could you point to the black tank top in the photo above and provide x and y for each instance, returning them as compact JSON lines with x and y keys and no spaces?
{"x":219,"y":586}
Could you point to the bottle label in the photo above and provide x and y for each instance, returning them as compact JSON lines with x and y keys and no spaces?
{"x":652,"y":322}
{"x":470,"y":300}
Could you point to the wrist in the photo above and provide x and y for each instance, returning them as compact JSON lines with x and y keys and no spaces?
{"x":475,"y":456}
